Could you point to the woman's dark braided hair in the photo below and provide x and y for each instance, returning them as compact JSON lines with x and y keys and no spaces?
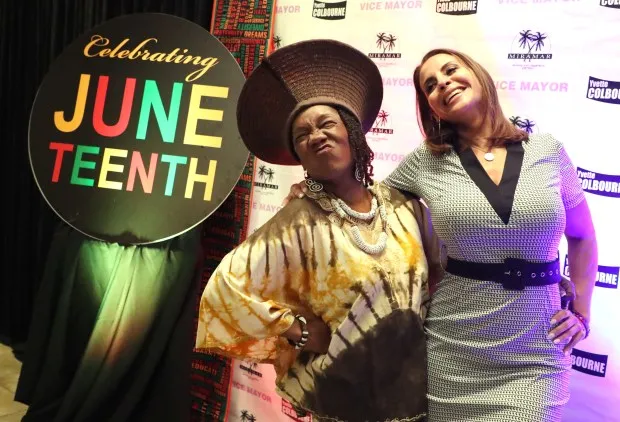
{"x":362,"y":154}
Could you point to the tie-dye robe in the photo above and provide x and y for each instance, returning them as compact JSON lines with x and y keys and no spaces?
{"x":305,"y":258}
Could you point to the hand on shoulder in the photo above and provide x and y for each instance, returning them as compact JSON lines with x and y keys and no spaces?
{"x":298,"y":190}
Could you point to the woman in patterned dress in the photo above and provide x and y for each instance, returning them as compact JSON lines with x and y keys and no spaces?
{"x":347,"y":262}
{"x":498,"y":337}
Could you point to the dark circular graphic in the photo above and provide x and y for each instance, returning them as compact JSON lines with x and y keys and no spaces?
{"x":133,"y":135}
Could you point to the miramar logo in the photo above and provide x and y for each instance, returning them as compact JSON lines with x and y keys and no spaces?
{"x":599,"y":183}
{"x":330,"y":11}
{"x":381,"y":127}
{"x":530,"y":49}
{"x":265,"y":174}
{"x":606,"y":277}
{"x":589,"y":363}
{"x":603,"y":91}
{"x":611,"y":3}
{"x":250,"y":370}
{"x":457,"y":7}
{"x":523,"y":123}
{"x":386,"y":44}
{"x":246,"y":416}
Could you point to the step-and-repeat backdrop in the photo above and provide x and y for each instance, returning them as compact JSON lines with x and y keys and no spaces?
{"x":556,"y":65}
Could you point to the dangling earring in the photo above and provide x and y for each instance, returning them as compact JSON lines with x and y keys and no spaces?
{"x":439,"y":130}
{"x":313,"y":185}
{"x":359,"y":175}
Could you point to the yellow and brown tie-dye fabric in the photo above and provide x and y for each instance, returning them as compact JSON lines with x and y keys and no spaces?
{"x":304,"y":258}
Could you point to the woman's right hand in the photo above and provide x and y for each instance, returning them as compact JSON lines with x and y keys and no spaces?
{"x":298,"y":190}
{"x":319,"y":334}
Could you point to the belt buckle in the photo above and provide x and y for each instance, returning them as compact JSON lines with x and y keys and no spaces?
{"x":513,"y":277}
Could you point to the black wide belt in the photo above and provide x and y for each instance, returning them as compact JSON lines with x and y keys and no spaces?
{"x":513,"y":274}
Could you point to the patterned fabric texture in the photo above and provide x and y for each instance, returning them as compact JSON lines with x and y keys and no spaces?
{"x":227,"y":227}
{"x":304,"y":258}
{"x":489,"y":356}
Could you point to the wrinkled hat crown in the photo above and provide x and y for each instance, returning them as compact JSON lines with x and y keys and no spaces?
{"x":298,"y":76}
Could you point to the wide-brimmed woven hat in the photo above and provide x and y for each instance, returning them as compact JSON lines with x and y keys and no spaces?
{"x":298,"y":76}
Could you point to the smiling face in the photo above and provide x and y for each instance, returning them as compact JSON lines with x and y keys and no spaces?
{"x":453,"y":91}
{"x":321,"y":142}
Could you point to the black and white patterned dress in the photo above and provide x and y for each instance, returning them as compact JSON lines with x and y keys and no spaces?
{"x":489,"y":356}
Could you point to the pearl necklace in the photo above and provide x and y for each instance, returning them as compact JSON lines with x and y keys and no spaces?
{"x":347,"y":213}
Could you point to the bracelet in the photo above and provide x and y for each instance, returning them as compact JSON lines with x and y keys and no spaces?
{"x":584,"y":322}
{"x":304,"y":333}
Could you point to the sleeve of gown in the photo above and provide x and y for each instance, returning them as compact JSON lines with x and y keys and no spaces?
{"x":243,"y":309}
{"x":405,"y":176}
{"x":571,"y":190}
{"x":433,"y":247}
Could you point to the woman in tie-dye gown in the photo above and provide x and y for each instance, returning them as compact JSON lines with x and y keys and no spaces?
{"x":349,"y":257}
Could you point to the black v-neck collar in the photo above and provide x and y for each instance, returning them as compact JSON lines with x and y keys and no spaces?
{"x":501,"y":197}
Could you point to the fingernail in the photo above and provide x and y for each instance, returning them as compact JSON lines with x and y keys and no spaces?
{"x":301,"y":195}
{"x":553,"y":321}
{"x":549,"y":336}
{"x":556,"y":341}
{"x":566,"y":353}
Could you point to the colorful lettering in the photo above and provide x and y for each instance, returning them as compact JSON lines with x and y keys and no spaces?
{"x":152,"y":100}
{"x":107,"y":167}
{"x":196,"y":113}
{"x":60,"y":151}
{"x":173,"y":161}
{"x":119,"y":127}
{"x":207,"y":179}
{"x":137,"y":165}
{"x":79,"y":163}
{"x":78,"y":112}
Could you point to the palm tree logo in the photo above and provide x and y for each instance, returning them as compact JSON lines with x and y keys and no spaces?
{"x":525,"y":124}
{"x":528,"y":126}
{"x":266,"y":174}
{"x":277,"y":41}
{"x":386,"y":41}
{"x":247,"y":416}
{"x":381,"y":38}
{"x":382,"y":118}
{"x":516,"y":120}
{"x":531,"y":41}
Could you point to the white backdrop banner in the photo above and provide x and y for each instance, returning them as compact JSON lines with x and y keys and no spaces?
{"x":556,"y":65}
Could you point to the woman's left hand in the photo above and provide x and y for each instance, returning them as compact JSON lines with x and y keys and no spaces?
{"x":568,"y":327}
